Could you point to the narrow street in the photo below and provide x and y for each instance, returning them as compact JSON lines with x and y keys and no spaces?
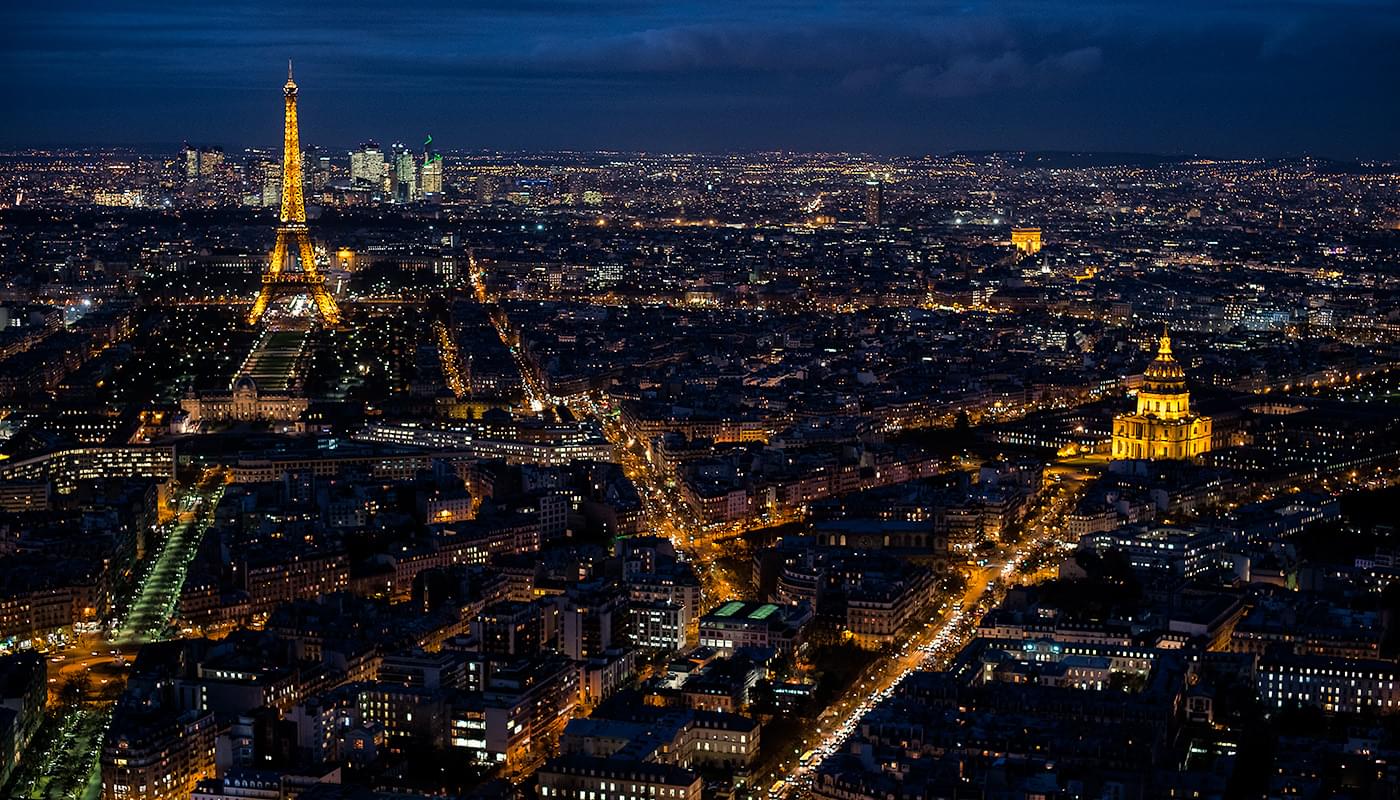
{"x":663,"y":509}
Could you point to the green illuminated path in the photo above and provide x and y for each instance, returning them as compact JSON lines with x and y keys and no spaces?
{"x":158,"y":594}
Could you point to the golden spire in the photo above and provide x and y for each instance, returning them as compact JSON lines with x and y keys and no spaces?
{"x":1164,"y":373}
{"x":293,"y":194}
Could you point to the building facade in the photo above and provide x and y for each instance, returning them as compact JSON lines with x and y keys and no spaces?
{"x":1163,"y":427}
{"x":244,"y":403}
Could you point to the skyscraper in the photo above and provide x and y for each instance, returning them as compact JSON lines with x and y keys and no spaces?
{"x":405,"y":175}
{"x":432,"y":169}
{"x":271,"y":194}
{"x":190,"y":157}
{"x":432,"y":176}
{"x":317,"y":167}
{"x":485,"y":188}
{"x":200,"y":163}
{"x":874,"y":201}
{"x":367,"y":166}
{"x":210,"y":160}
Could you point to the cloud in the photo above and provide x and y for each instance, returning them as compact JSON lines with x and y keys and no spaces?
{"x":791,"y":48}
{"x":972,"y":74}
{"x":719,"y":73}
{"x":946,"y":57}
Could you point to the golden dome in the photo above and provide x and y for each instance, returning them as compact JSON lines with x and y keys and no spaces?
{"x":1164,"y":374}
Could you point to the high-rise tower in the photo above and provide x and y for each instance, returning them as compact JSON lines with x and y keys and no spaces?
{"x":431,"y":178}
{"x":293,"y":238}
{"x":874,"y":202}
{"x":367,"y":166}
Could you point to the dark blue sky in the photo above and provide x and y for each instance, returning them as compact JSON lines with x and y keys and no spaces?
{"x":1217,"y":77}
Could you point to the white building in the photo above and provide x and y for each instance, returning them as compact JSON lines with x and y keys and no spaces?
{"x":244,"y":403}
{"x":659,"y":625}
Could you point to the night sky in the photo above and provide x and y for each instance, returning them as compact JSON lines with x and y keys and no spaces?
{"x":1214,"y":77}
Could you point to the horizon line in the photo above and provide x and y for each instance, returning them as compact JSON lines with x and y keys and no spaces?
{"x":148,"y":148}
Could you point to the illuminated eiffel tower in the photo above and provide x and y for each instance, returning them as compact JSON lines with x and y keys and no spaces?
{"x":293,"y":239}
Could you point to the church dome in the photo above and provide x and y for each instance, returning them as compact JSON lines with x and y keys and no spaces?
{"x":1164,"y":374}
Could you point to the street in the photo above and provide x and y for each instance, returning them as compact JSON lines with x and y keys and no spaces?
{"x":65,"y":766}
{"x":158,"y":591}
{"x":932,"y":646}
{"x":949,"y":627}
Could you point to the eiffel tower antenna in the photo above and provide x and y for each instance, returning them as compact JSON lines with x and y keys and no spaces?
{"x":293,"y":237}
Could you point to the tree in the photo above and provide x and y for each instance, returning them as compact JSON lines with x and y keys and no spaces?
{"x":73,"y":690}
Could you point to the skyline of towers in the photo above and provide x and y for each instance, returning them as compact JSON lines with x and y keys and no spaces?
{"x":400,"y":175}
{"x":201,"y":162}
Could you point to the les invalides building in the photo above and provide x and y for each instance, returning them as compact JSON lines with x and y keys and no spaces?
{"x":1163,"y":427}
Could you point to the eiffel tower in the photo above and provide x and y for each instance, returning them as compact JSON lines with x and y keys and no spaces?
{"x":293,"y":238}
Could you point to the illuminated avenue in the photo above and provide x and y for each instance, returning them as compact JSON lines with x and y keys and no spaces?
{"x":405,"y":473}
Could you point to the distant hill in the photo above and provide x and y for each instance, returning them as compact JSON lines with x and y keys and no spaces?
{"x":1066,"y":159}
{"x":1055,"y":159}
